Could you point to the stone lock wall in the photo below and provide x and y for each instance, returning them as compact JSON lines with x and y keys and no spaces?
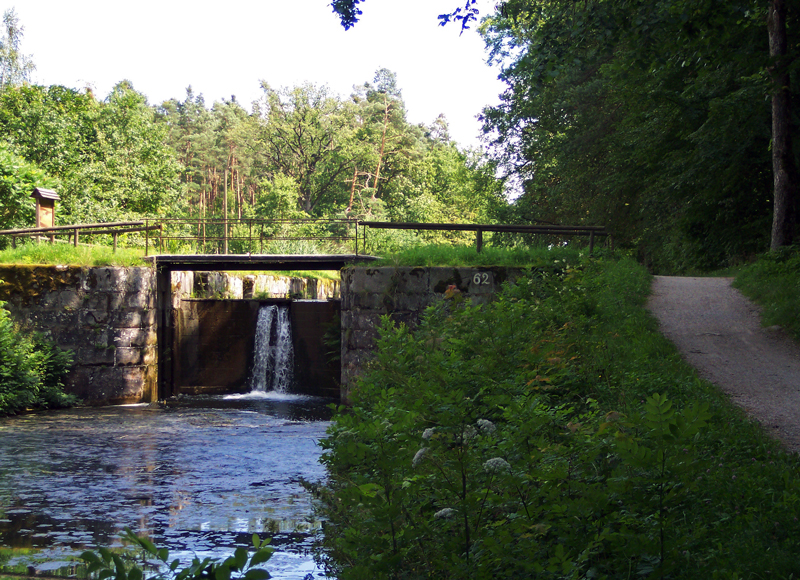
{"x":106,"y":316}
{"x":403,"y":294}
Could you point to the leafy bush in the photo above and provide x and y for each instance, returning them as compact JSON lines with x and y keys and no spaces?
{"x":551,"y":434}
{"x":773,"y":281}
{"x":241,"y":565}
{"x":32,"y":370}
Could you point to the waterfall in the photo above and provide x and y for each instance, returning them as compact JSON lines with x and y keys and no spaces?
{"x":272,"y":359}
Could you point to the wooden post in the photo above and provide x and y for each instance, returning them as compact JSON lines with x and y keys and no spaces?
{"x":76,"y":237}
{"x":146,"y":237}
{"x":479,"y":239}
{"x":591,"y":241}
{"x":115,"y":234}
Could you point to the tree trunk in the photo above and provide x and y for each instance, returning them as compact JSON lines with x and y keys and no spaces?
{"x":383,"y":146}
{"x":784,"y":171}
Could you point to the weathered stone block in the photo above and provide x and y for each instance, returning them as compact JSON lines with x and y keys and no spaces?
{"x":374,"y":280}
{"x":441,"y":278}
{"x":413,"y":301}
{"x":128,"y":318}
{"x":95,"y":356}
{"x":370,"y":301}
{"x":95,"y":301}
{"x":140,"y":300}
{"x":93,"y":318}
{"x":69,"y":300}
{"x":128,"y":356}
{"x":362,"y":339}
{"x":136,"y":337}
{"x":364,"y":321}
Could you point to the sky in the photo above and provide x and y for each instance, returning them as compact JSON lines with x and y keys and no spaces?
{"x":226,"y":48}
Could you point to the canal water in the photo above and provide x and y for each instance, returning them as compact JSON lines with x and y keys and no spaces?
{"x":198,"y":476}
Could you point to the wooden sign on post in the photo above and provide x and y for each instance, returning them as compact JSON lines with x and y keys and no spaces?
{"x":45,"y":207}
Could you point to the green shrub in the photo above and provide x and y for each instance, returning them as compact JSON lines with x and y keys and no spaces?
{"x":32,"y":370}
{"x":773,"y":281}
{"x":553,"y":433}
{"x":240,"y":566}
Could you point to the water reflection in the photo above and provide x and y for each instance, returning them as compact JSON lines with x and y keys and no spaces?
{"x":199,"y":476}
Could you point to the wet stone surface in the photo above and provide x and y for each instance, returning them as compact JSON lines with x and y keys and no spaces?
{"x":199,"y":477}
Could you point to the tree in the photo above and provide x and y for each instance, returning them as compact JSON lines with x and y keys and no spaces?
{"x":349,"y":12}
{"x":784,"y":168}
{"x":647,"y":117}
{"x":15,"y":67}
{"x":306,"y":135}
{"x":18,"y":178}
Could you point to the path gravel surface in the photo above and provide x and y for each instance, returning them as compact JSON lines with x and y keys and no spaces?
{"x":718,"y":331}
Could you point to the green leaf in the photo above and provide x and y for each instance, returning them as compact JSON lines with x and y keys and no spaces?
{"x":261,"y":556}
{"x":257,"y":574}
{"x":239,"y":559}
{"x":90,"y":557}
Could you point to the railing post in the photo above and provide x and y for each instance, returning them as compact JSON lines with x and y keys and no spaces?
{"x":479,"y":239}
{"x":146,"y":237}
{"x":591,"y":241}
{"x":116,"y":235}
{"x":76,"y":237}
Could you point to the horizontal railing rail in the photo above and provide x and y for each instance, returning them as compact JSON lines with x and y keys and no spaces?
{"x":251,"y":235}
{"x":545,"y":229}
{"x":74,"y":231}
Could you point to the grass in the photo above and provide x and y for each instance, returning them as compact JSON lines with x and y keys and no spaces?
{"x":68,"y":254}
{"x":773,"y":282}
{"x":90,"y":256}
{"x":466,"y":256}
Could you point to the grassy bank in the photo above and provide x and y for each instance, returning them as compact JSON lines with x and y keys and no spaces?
{"x":552,"y":434}
{"x":68,"y":254}
{"x":774,"y":283}
{"x":466,"y":256}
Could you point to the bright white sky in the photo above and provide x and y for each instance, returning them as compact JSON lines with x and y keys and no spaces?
{"x":226,"y":48}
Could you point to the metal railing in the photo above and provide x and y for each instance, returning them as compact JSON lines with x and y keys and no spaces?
{"x":253,"y":236}
{"x":115,"y":229}
{"x":259,"y":236}
{"x":479,"y":229}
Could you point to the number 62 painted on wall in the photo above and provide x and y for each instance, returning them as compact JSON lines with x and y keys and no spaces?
{"x":482,"y":279}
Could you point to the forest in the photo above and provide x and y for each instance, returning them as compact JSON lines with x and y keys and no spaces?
{"x":653,"y":119}
{"x":298,"y":152}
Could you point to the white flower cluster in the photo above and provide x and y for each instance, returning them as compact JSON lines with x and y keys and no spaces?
{"x":445,"y":514}
{"x":468,"y":433}
{"x":486,"y":426}
{"x":428,"y":433}
{"x":496,"y":465}
{"x":420,"y":455}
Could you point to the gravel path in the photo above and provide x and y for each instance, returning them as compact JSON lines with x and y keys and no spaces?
{"x":718,"y":331}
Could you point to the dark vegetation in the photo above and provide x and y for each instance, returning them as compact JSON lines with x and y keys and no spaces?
{"x":551,"y":434}
{"x":773,"y":281}
{"x":32,"y":370}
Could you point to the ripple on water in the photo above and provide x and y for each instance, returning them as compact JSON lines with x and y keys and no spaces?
{"x":198,"y":477}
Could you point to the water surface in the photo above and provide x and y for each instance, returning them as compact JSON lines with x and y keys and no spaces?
{"x":198,"y":476}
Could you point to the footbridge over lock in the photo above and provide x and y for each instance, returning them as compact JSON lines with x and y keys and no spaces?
{"x":206,"y":346}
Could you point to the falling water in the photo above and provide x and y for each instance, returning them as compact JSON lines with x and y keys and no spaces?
{"x":272,"y":360}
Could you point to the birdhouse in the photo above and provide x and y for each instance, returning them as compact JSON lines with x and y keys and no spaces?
{"x":45,"y":207}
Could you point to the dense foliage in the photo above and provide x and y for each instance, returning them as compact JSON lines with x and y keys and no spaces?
{"x":772,"y":281}
{"x":154,"y":563}
{"x":551,"y":434}
{"x":300,"y":152}
{"x":652,"y":118}
{"x":32,"y":370}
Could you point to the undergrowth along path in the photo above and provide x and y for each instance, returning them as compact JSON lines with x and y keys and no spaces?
{"x":718,"y":331}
